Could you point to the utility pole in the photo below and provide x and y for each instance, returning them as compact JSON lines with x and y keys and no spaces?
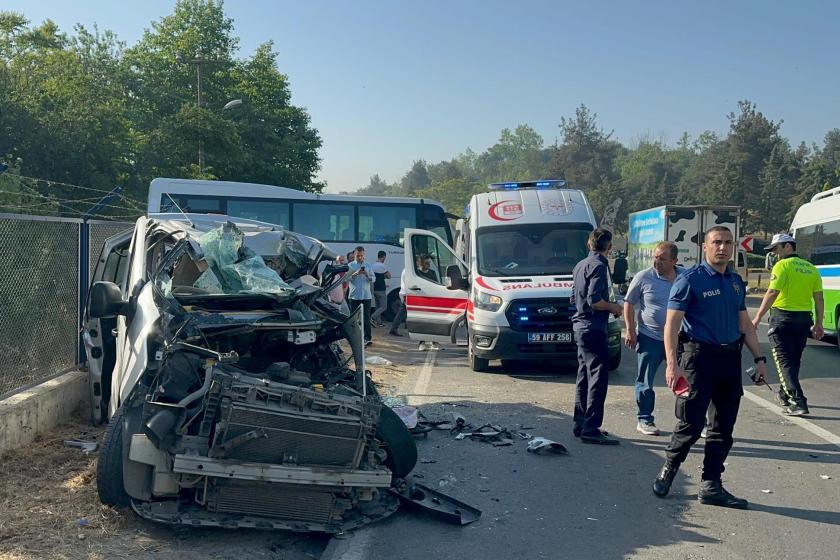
{"x":198,"y":62}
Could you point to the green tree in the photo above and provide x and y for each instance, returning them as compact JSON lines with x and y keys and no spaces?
{"x":268,"y":140}
{"x":416,"y":179}
{"x":454,"y":194}
{"x":377,"y":187}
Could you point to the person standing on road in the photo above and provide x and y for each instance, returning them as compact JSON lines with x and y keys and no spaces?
{"x":360,"y":280}
{"x":649,"y":292}
{"x":380,"y":287}
{"x":401,"y":314}
{"x":591,"y":298}
{"x":794,"y":282}
{"x":706,"y":326}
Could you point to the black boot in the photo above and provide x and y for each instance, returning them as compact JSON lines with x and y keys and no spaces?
{"x":662,"y":484}
{"x":713,"y":493}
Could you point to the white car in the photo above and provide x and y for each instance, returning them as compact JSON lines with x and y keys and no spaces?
{"x":213,"y":353}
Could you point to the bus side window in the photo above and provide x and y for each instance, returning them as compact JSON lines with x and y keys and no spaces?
{"x":385,"y":224}
{"x":325,"y":222}
{"x":197,"y":204}
{"x":263,"y":210}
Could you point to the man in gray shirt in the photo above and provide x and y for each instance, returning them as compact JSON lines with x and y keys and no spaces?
{"x":647,"y":299}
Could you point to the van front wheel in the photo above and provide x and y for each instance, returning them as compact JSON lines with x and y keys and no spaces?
{"x":476,"y":363}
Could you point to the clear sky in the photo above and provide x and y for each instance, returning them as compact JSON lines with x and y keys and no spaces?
{"x":387,"y":82}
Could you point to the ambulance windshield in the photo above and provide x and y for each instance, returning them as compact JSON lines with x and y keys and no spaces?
{"x":531,"y":249}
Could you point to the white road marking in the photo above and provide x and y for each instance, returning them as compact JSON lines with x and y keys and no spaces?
{"x":421,"y":387}
{"x":798,"y":420}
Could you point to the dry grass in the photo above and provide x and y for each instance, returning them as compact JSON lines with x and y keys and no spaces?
{"x":48,"y":499}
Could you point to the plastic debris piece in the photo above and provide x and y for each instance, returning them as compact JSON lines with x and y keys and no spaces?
{"x":592,"y":519}
{"x":85,"y":446}
{"x":378,"y":361}
{"x":82,"y":522}
{"x":544,"y":446}
{"x":408,"y":414}
{"x":767,"y":491}
{"x":825,"y":477}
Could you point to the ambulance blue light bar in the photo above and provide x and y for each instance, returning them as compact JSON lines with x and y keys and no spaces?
{"x":521,"y":185}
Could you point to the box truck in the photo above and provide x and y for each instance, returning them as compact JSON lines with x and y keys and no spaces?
{"x":685,"y":226}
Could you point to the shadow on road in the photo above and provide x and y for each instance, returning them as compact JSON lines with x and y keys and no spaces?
{"x":829,"y":517}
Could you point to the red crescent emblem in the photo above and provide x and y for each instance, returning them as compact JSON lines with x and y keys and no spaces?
{"x":495,"y":215}
{"x":483,"y":283}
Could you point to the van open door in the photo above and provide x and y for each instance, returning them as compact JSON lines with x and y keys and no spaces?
{"x":436,"y":286}
{"x":98,"y":335}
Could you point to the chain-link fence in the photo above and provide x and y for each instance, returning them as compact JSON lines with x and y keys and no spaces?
{"x":41,"y":295}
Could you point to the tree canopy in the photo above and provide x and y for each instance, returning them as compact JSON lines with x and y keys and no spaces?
{"x":753,"y":166}
{"x":86,"y":109}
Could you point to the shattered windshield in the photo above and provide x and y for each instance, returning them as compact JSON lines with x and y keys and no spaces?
{"x":226,"y":260}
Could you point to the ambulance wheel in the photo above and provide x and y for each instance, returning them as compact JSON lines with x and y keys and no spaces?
{"x":476,"y":363}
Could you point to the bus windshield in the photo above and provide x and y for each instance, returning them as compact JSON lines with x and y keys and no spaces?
{"x":532,"y":249}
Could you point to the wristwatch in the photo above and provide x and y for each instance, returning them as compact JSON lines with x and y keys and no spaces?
{"x":760,"y":359}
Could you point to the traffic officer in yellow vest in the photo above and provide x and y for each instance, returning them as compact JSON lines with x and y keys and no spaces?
{"x":794,"y":282}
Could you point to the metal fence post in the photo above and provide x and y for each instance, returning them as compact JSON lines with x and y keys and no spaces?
{"x":84,"y":276}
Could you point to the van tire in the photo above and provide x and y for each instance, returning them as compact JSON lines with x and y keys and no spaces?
{"x":398,"y":442}
{"x":477,"y":364}
{"x":109,"y":465}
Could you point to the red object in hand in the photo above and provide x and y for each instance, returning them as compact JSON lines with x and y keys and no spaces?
{"x":682,"y":387}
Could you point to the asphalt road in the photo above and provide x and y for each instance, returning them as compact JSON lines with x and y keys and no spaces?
{"x":597,"y":502}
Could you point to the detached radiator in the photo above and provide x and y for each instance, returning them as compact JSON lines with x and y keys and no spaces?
{"x":295,"y":426}
{"x":275,"y":500}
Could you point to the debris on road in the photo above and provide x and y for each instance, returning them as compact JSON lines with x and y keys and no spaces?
{"x":767,"y":491}
{"x":825,"y":477}
{"x":378,"y":361}
{"x":544,"y":446}
{"x":436,"y":503}
{"x":408,"y":414}
{"x":85,"y":446}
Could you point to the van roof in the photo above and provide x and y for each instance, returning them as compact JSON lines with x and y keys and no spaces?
{"x":823,"y":207}
{"x":530,"y":206}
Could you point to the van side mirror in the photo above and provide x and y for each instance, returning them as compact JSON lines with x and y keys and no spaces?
{"x":454,"y":279}
{"x":106,"y":300}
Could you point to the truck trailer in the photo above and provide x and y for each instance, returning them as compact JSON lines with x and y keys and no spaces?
{"x":684,"y":225}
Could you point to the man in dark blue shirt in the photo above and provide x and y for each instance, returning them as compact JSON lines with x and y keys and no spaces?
{"x":708,"y":323}
{"x":591,"y":297}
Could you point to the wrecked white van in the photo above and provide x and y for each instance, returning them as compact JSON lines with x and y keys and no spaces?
{"x":213,"y":355}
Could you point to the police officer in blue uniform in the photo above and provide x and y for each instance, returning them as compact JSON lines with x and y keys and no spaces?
{"x":708,"y":323}
{"x":591,"y":297}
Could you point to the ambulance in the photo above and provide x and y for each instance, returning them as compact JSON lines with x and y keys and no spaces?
{"x":509,"y":279}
